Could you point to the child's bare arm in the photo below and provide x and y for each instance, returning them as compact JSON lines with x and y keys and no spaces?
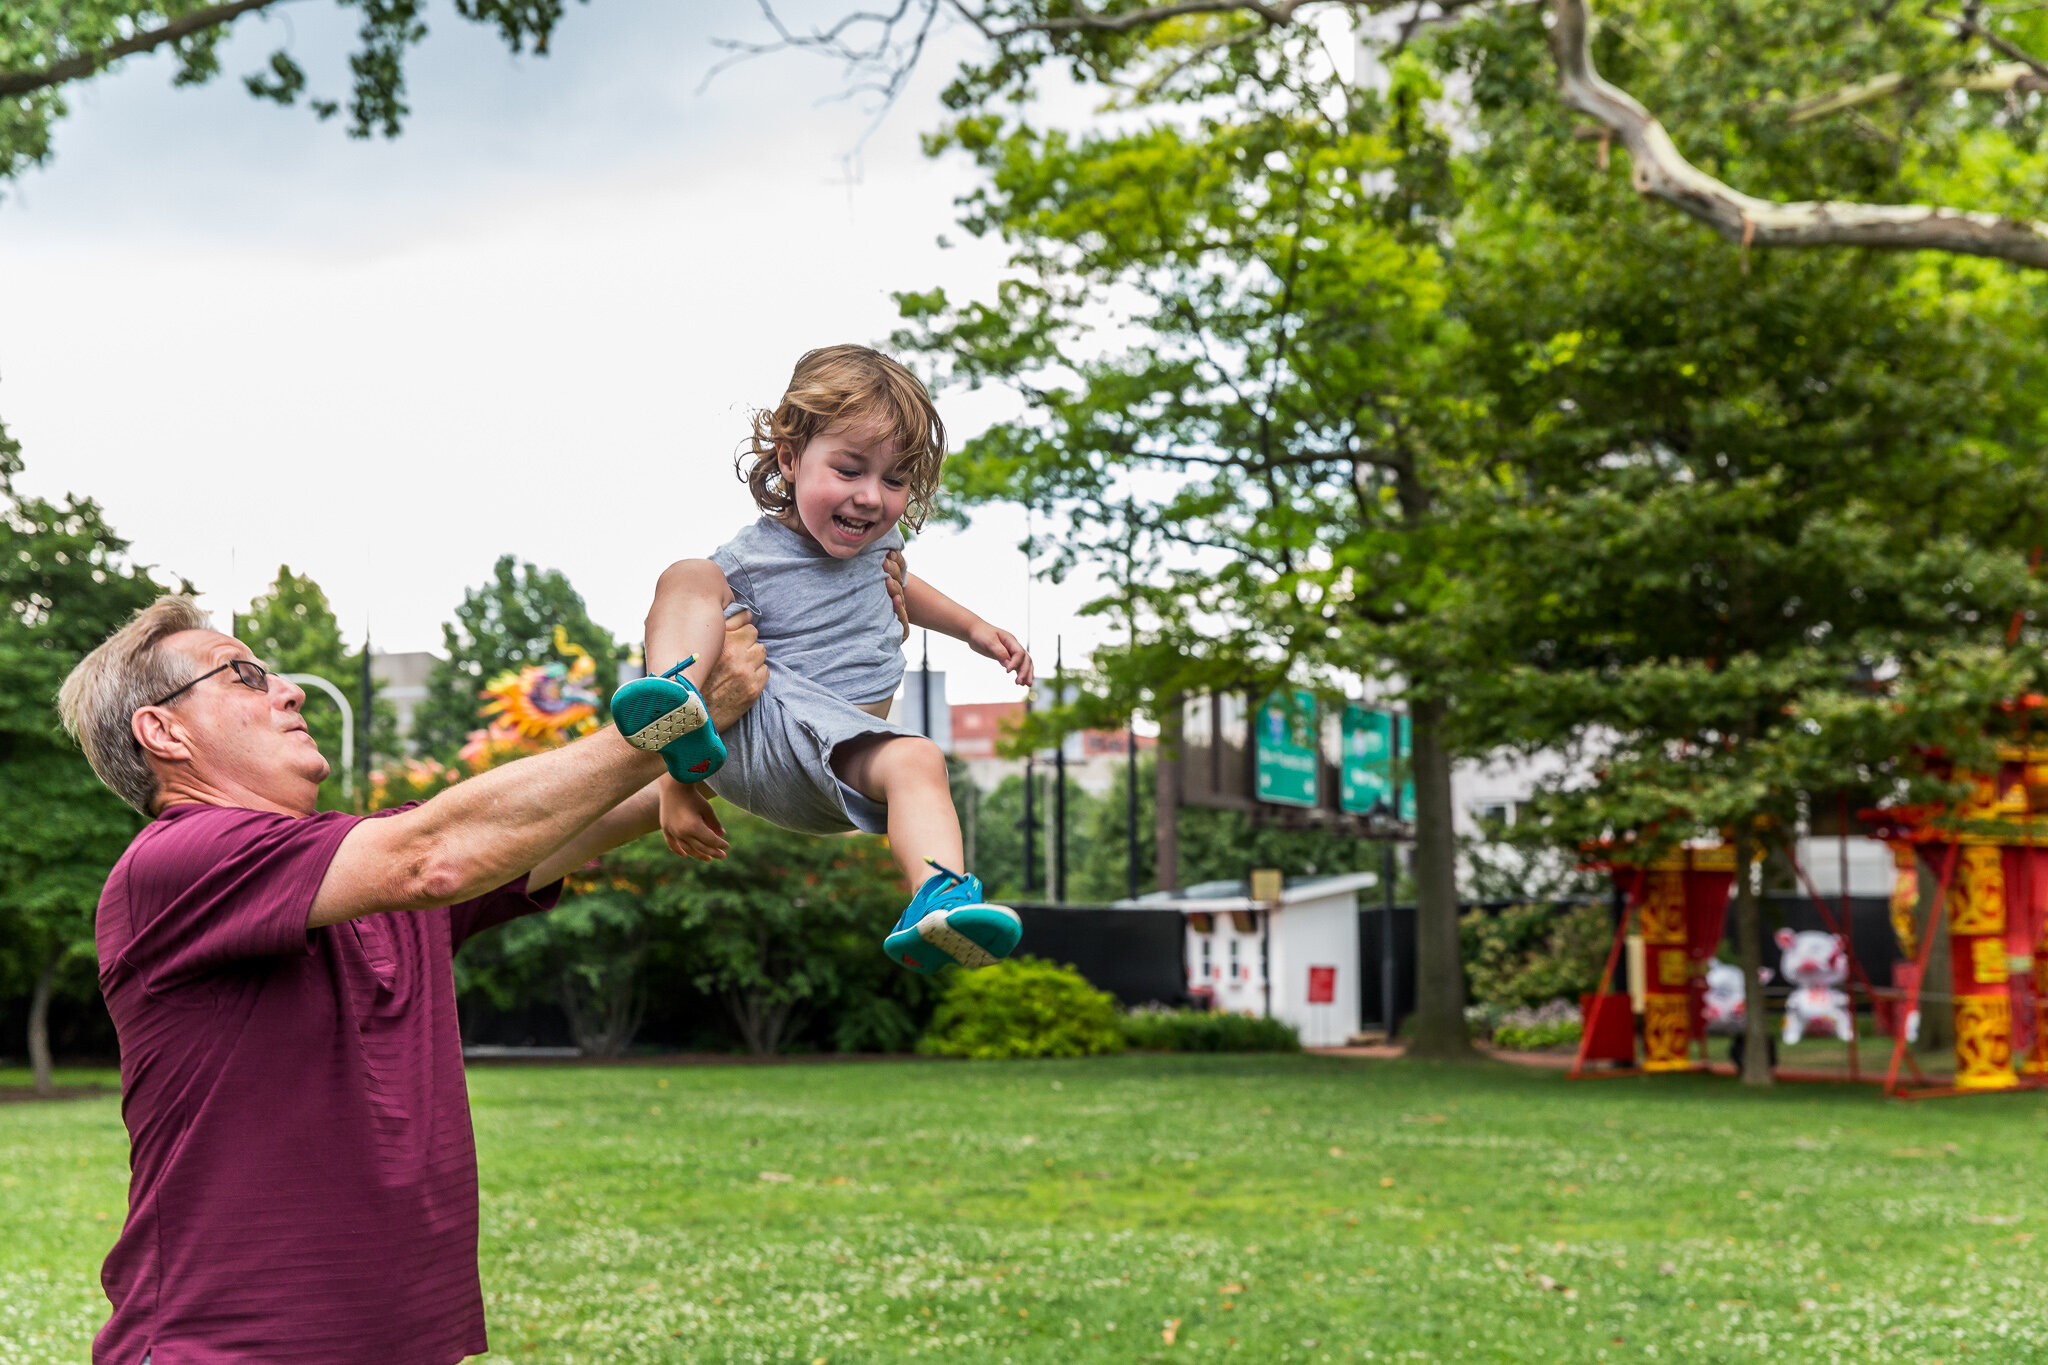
{"x":688,"y":617}
{"x":931,"y":609}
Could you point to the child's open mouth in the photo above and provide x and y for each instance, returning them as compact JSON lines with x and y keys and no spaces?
{"x":852,"y":529}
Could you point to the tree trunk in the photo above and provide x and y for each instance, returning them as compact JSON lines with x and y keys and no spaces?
{"x":1166,"y":796}
{"x":1749,"y":947}
{"x":1437,"y":1029}
{"x":39,"y":1025}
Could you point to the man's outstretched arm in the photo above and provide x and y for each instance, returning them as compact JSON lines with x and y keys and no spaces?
{"x":483,"y":832}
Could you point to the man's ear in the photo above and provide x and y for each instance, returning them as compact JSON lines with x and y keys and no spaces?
{"x":159,"y":735}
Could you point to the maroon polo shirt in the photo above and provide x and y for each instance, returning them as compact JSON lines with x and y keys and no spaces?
{"x":303,"y":1174}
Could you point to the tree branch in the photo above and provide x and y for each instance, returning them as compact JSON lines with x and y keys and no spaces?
{"x":1662,"y":172}
{"x":86,"y":63}
{"x":1087,"y":20}
{"x":2017,"y":77}
{"x":1967,"y":23}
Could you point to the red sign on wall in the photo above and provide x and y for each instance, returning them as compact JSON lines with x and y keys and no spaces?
{"x":1322,"y":985}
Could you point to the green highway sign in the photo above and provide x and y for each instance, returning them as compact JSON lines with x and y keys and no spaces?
{"x":1287,"y":747}
{"x":1366,"y":775}
{"x":1373,"y":740}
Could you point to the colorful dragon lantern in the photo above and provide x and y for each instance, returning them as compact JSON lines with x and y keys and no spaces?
{"x":537,"y":707}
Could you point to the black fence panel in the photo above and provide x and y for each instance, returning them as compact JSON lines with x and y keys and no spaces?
{"x":1138,"y":956}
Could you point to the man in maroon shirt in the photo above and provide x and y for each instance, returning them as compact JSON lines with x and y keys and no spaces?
{"x":303,"y":1184}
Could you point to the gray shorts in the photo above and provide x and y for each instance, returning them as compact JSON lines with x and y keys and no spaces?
{"x":779,"y":759}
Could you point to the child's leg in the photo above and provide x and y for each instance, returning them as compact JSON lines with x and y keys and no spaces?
{"x":688,"y":617}
{"x":908,"y":774}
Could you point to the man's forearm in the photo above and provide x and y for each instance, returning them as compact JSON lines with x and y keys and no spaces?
{"x":482,"y":832}
{"x":638,"y":814}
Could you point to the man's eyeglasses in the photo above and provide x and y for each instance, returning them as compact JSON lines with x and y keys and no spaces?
{"x":249,"y":674}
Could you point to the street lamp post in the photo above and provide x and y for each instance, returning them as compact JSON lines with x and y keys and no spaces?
{"x":348,"y":729}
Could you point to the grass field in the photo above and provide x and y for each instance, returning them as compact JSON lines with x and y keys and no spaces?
{"x":1264,"y":1208}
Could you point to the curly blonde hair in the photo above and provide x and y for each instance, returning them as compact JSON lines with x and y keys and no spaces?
{"x":846,"y":384}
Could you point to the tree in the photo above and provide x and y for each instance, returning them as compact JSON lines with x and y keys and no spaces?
{"x":790,"y":925}
{"x":784,"y":933}
{"x":1268,"y":454}
{"x":506,"y":624}
{"x":44,"y":48}
{"x":1766,"y":529}
{"x":292,"y":629}
{"x":1944,"y":92}
{"x":67,"y":588}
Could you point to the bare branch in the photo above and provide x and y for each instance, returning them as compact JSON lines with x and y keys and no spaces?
{"x":2005,"y":47}
{"x":1662,"y":172}
{"x":86,"y":63}
{"x":1087,"y":20}
{"x":2017,"y":77}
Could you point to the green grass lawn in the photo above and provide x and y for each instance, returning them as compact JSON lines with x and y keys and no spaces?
{"x":1274,"y":1208}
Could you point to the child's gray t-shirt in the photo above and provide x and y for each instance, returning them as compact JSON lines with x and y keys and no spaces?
{"x":827,"y":620}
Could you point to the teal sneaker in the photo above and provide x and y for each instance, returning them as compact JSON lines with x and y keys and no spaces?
{"x":666,"y":716}
{"x":947,"y":921}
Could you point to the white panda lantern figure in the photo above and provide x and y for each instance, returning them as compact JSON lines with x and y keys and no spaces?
{"x":1814,"y":964}
{"x":1723,"y":1005}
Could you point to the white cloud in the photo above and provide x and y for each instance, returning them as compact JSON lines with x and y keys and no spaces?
{"x":532,"y":325}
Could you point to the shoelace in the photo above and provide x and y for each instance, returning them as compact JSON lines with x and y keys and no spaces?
{"x":958,"y":879}
{"x":685,"y":664}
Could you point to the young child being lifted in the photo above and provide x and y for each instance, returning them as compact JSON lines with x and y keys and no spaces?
{"x":853,"y":449}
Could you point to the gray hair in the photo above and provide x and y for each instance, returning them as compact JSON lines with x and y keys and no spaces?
{"x":99,"y":700}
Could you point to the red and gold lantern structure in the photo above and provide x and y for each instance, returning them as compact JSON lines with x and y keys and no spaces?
{"x":1680,"y":902}
{"x":1988,"y":852}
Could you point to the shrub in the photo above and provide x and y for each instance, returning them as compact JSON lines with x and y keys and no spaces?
{"x":1164,"y":1030}
{"x":1532,"y":1030}
{"x":1022,"y":1008}
{"x":1527,"y":954}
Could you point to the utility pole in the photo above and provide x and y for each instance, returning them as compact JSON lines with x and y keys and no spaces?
{"x":1131,"y":807}
{"x":1059,"y":784}
{"x":1029,"y":825}
{"x":924,"y":689}
{"x":1388,"y":999}
{"x":363,"y":720}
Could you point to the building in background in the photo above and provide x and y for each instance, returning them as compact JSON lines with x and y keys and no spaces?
{"x":1093,"y":756}
{"x":402,"y":680}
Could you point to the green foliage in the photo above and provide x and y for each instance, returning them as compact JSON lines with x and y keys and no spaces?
{"x":1745,"y":499}
{"x":293,"y":630}
{"x":44,"y":47}
{"x":1206,"y":1031}
{"x":1022,"y":1008}
{"x":787,"y":928}
{"x":67,"y":586}
{"x":1554,"y":1025}
{"x":506,"y":624}
{"x":1528,"y":954}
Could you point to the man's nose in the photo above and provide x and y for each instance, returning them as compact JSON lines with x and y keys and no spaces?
{"x":285,"y":694}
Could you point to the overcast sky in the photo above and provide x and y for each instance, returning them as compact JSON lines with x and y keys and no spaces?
{"x":532,"y":325}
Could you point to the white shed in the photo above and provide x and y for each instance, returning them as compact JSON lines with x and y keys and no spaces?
{"x":1297,"y":961}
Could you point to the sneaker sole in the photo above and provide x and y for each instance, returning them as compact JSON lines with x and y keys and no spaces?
{"x":662,"y":731}
{"x":971,"y":935}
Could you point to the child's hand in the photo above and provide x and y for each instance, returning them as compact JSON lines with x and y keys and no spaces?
{"x":689,"y":824}
{"x":1003,"y":647}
